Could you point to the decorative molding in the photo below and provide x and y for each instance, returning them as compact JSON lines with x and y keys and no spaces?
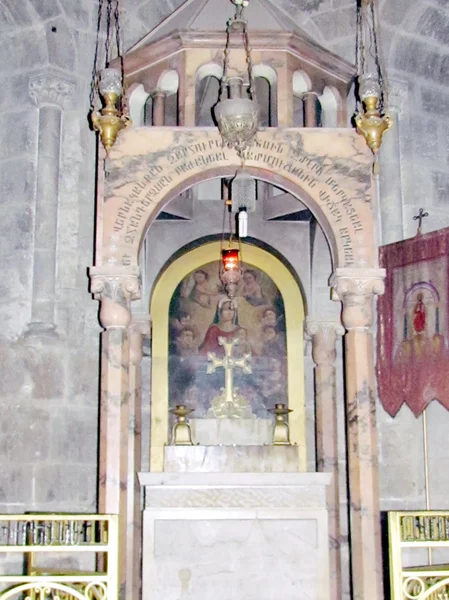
{"x":301,"y":497}
{"x":356,"y":289}
{"x":50,"y":88}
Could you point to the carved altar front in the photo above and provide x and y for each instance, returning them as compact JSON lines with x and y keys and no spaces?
{"x":235,"y":535}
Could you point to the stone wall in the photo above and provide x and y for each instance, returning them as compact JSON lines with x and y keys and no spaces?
{"x":49,"y":383}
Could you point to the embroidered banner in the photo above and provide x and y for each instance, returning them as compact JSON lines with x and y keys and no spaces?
{"x":413,"y":317}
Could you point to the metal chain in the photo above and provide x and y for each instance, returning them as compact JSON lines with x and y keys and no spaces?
{"x":94,"y":78}
{"x":359,"y":46}
{"x":249,"y":62}
{"x":366,"y":32}
{"x":237,"y":17}
{"x":378,"y":60}
{"x":118,"y":40}
{"x":229,"y":207}
{"x":224,"y":79}
{"x":107,"y":44}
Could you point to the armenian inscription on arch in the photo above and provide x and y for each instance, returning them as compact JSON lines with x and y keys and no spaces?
{"x":329,"y":171}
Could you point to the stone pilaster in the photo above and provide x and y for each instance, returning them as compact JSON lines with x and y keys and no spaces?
{"x":115,"y":287}
{"x":138,"y":329}
{"x":324,"y":335}
{"x":50,"y":91}
{"x":356,"y":288}
{"x":390,"y":184}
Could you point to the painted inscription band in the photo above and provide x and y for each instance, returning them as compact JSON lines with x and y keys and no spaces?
{"x":162,"y":172}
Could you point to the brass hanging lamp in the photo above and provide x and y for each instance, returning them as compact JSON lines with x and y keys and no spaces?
{"x":109,"y":82}
{"x":371,"y":118}
{"x":237,"y":112}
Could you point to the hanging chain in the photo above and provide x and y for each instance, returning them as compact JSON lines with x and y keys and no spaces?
{"x":378,"y":60}
{"x":229,"y":206}
{"x":94,"y":78}
{"x":107,"y":43}
{"x":112,"y":13}
{"x":249,"y":62}
{"x":360,"y":48}
{"x":227,"y":51}
{"x":360,"y":44}
{"x":118,"y":40}
{"x":367,"y":34}
{"x":224,"y":79}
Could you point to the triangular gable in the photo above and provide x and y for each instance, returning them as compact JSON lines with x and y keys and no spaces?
{"x":211,"y":15}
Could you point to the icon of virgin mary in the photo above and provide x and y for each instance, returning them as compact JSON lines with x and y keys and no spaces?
{"x":225,"y":325}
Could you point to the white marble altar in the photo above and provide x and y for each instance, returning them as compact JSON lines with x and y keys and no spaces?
{"x":231,"y":459}
{"x":228,"y":432}
{"x":235,"y":536}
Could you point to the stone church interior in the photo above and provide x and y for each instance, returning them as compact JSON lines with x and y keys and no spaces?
{"x":225,"y":230}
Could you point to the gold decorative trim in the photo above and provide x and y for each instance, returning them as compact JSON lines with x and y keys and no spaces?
{"x":294,"y":315}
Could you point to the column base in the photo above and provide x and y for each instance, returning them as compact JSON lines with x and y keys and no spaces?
{"x":40,"y":329}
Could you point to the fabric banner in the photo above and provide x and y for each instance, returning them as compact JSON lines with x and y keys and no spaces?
{"x":413,"y":317}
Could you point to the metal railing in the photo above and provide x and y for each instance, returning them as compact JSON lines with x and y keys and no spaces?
{"x":35,"y":537}
{"x":428,"y":530}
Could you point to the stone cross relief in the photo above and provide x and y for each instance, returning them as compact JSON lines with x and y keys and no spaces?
{"x":229,"y":404}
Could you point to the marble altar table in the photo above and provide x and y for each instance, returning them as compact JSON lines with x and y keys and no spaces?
{"x":235,"y":536}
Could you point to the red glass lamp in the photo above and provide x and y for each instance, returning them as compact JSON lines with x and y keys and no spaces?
{"x":231,"y":259}
{"x":231,"y":271}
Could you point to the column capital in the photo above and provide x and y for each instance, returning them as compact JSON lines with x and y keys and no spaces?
{"x":158,"y":93}
{"x":115,"y":287}
{"x":356,"y":289}
{"x":140,"y":323}
{"x":139,"y":328}
{"x":50,"y":87}
{"x":324,"y":336}
{"x":398,"y":94}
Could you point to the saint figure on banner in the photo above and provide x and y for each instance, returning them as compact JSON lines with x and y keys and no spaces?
{"x":419,"y":315}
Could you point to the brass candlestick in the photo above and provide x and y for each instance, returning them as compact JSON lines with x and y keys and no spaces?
{"x":281,"y":433}
{"x":181,"y":433}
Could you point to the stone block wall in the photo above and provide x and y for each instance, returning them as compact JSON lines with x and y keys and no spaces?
{"x":49,"y":384}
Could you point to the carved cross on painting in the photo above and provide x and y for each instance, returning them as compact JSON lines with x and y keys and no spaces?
{"x":249,"y":332}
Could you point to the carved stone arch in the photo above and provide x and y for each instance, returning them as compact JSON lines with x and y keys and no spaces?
{"x":330,"y":171}
{"x":294,"y":301}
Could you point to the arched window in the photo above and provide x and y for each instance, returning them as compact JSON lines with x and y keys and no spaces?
{"x":138,"y":99}
{"x":266,"y":94}
{"x":330,"y":103}
{"x":169,"y":84}
{"x":206,"y":97}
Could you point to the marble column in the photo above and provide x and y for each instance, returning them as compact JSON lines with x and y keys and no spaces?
{"x":159,"y":97}
{"x":138,"y":329}
{"x":50,"y":91}
{"x":390,"y":184}
{"x":356,"y":289}
{"x":310,"y":107}
{"x":115,"y":287}
{"x":324,"y":335}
